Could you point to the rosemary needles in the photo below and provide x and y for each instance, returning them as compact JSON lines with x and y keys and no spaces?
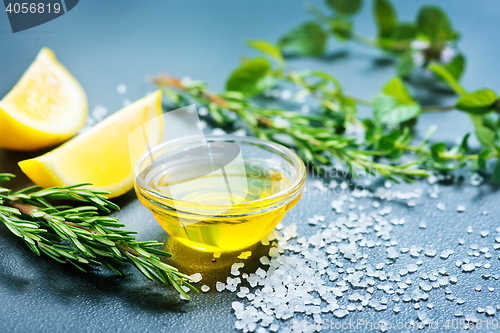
{"x":79,"y":235}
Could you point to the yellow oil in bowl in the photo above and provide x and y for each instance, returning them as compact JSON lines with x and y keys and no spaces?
{"x":219,"y":208}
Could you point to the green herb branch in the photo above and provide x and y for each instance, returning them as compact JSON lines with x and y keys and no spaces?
{"x":79,"y":235}
{"x":323,"y":138}
{"x":429,"y":39}
{"x":317,"y":145}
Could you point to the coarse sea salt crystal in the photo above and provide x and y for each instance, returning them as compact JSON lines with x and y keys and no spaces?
{"x":245,"y":255}
{"x":264,"y":260}
{"x":392,"y":253}
{"x":445,"y":254}
{"x":260,"y":272}
{"x":430,"y":253}
{"x":121,"y":89}
{"x":484,"y":233}
{"x":273,"y":252}
{"x":490,"y":311}
{"x":205,"y":288}
{"x":235,"y":268}
{"x":468,"y":267}
{"x":461,"y":208}
{"x":340,"y":313}
{"x":220,"y":286}
{"x":411,"y":268}
{"x":196,"y":277}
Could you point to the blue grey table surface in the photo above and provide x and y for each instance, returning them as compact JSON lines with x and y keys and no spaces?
{"x":106,"y":43}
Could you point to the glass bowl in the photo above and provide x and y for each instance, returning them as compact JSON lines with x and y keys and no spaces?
{"x":194,"y":211}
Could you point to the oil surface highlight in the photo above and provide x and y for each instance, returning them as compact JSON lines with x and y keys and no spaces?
{"x":241,"y":222}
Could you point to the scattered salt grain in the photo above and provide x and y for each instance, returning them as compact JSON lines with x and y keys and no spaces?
{"x":430,"y":253}
{"x":468,"y":267}
{"x":121,"y":89}
{"x":392,"y":253}
{"x":220,"y":286}
{"x":461,"y":208}
{"x":273,"y":252}
{"x":245,"y":255}
{"x":340,"y":313}
{"x":205,"y":288}
{"x":196,"y":277}
{"x":264,"y":260}
{"x":490,"y":311}
{"x":445,"y":254}
{"x":235,"y":268}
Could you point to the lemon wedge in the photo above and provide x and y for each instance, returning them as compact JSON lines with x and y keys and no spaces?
{"x":47,"y":106}
{"x":100,"y":155}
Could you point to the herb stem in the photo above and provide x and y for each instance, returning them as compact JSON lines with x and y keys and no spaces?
{"x":437,"y":108}
{"x":362,"y":39}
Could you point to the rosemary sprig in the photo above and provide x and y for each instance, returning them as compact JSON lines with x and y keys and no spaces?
{"x":79,"y":235}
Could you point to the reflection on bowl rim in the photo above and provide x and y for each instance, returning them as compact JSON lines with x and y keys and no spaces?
{"x":287,"y":154}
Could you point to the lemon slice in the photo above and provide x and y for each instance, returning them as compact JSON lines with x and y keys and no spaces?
{"x":100,"y":155}
{"x":46,"y":107}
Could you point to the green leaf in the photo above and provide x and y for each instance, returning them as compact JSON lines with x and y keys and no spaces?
{"x":389,"y":111}
{"x":405,"y":64}
{"x":437,"y":149}
{"x":404,"y":31}
{"x":345,"y":7}
{"x":485,"y":135}
{"x":456,"y":66}
{"x":308,"y":39}
{"x":400,"y":38}
{"x":464,"y":146}
{"x":481,"y":159}
{"x":397,"y":89}
{"x":433,"y":24}
{"x":251,"y":78}
{"x":478,"y":102}
{"x":495,"y":177}
{"x":267,"y":48}
{"x":448,"y":77}
{"x":385,"y":16}
{"x":394,"y":104}
{"x":386,"y":142}
{"x":341,"y":28}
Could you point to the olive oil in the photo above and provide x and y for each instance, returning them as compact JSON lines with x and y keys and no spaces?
{"x":224,"y":210}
